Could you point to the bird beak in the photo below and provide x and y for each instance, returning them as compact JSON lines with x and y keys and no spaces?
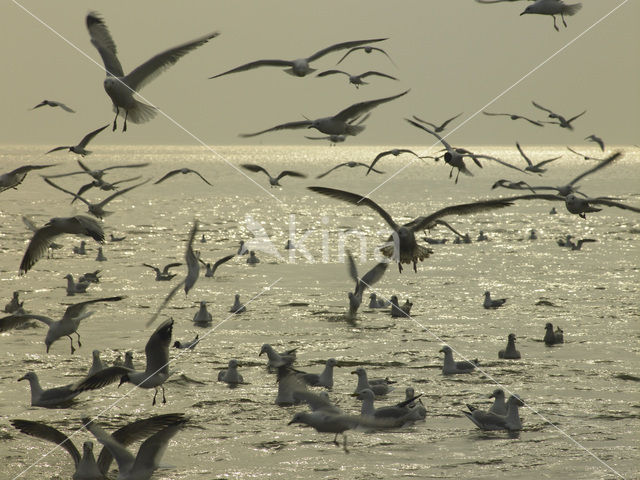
{"x":441,"y":350}
{"x":22,"y":378}
{"x":48,"y":346}
{"x":292,"y":422}
{"x":354,"y":373}
{"x":122,"y":380}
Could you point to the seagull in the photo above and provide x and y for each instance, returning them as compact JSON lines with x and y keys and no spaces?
{"x":96,"y":209}
{"x":395,"y":152}
{"x":231,"y":376}
{"x":164,"y":275}
{"x":105,"y":186}
{"x":78,"y":225}
{"x":493,"y":421}
{"x":155,"y":373}
{"x":116,"y":239}
{"x":499,"y":406}
{"x":379,"y":387}
{"x":183,"y":171}
{"x":96,"y":363}
{"x":561,"y":121}
{"x":586,"y":157}
{"x":407,"y":250}
{"x":187,"y":345}
{"x":15,"y":177}
{"x":15,"y":304}
{"x":277,"y":360}
{"x":455,"y":156}
{"x":482,"y":237}
{"x":437,"y":128}
{"x":489,"y":303}
{"x":80,"y":147}
{"x":537,"y":167}
{"x":147,"y":461}
{"x":202,"y":316}
{"x":366,"y":49}
{"x":273,"y":181}
{"x":374,"y":302}
{"x":253,"y":260}
{"x":211,"y":269}
{"x":399,"y":414}
{"x":97,"y":174}
{"x":356,"y":80}
{"x":571,"y":187}
{"x":57,"y":397}
{"x":521,"y":185}
{"x":53,"y":103}
{"x":333,"y":139}
{"x":299,"y":67}
{"x":553,"y":8}
{"x":578,"y":246}
{"x":350,"y":164}
{"x":513,"y":116}
{"x":339,"y":124}
{"x":400,"y":311}
{"x":510,"y":353}
{"x":64,"y":327}
{"x":237,"y":306}
{"x":100,"y":257}
{"x":370,"y":278}
{"x":323,"y":379}
{"x":242,"y":249}
{"x":73,"y":287}
{"x":121,"y":87}
{"x":598,"y":140}
{"x":551,"y":337}
{"x":86,"y":466}
{"x":582,"y":206}
{"x":450,"y":366}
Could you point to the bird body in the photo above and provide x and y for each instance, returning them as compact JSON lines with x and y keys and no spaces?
{"x":451,"y":366}
{"x":492,"y":303}
{"x":323,"y":379}
{"x":553,"y":8}
{"x":202,"y":316}
{"x":80,"y":148}
{"x":379,"y":387}
{"x":552,"y":337}
{"x":510,"y":352}
{"x":238,"y":307}
{"x":231,"y":375}
{"x":58,"y":397}
{"x":493,"y":421}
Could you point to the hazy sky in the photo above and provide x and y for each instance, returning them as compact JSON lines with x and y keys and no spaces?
{"x":455,"y":55}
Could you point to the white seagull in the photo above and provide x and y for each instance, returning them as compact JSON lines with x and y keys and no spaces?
{"x":553,"y":8}
{"x":121,"y":87}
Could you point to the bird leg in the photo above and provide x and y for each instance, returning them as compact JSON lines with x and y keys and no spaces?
{"x":344,"y":444}
{"x":415,"y":266}
{"x":154,"y":396}
{"x":72,"y":349}
{"x":126,"y":114}
{"x":451,"y":173}
{"x":563,"y":21}
{"x":164,"y":400}
{"x":399,"y":267}
{"x":115,"y":120}
{"x":79,"y":344}
{"x":335,"y":440}
{"x":457,"y":175}
{"x":554,"y":23}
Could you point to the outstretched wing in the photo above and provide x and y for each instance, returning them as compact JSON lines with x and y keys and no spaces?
{"x":102,"y":40}
{"x":290,"y":173}
{"x":46,"y":432}
{"x":604,"y":163}
{"x":256,"y":64}
{"x":331,"y":72}
{"x":341,"y":46}
{"x":282,"y":126}
{"x":87,"y":138}
{"x":358,"y":109}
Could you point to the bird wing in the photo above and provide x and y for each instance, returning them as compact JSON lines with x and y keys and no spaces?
{"x":523,"y":155}
{"x":256,"y":64}
{"x":135,"y":431}
{"x":12,"y":321}
{"x":46,"y":432}
{"x":74,"y":195}
{"x":489,"y":157}
{"x":153,"y":448}
{"x":221,"y":261}
{"x":38,"y":246}
{"x":165,"y":302}
{"x":145,"y":73}
{"x":604,"y":163}
{"x":124,"y":458}
{"x":167,"y":175}
{"x":432,"y":125}
{"x":28,"y":168}
{"x":549,"y":160}
{"x":155,"y":269}
{"x":496,"y":114}
{"x":65,"y":108}
{"x":444,"y":125}
{"x":157,"y":349}
{"x":191,"y":259}
{"x":102,"y":40}
{"x":542,"y":108}
{"x":169,"y":266}
{"x":328,"y":171}
{"x":442,"y":140}
{"x":357,"y":200}
{"x":120,"y":192}
{"x":283,"y":126}
{"x":446,"y":224}
{"x":290,"y":173}
{"x":75,"y":310}
{"x":63,"y":147}
{"x":101,"y":378}
{"x":254,"y":168}
{"x":378,"y":157}
{"x":82,"y":189}
{"x":30,"y":225}
{"x":331,"y":72}
{"x":341,"y":46}
{"x":133,"y":165}
{"x":535,"y":122}
{"x":611,"y":203}
{"x":203,"y":179}
{"x":577,"y":116}
{"x":378,"y":74}
{"x":87,"y":138}
{"x":358,"y":109}
{"x":352,"y":269}
{"x":372,"y":276}
{"x":316,"y":402}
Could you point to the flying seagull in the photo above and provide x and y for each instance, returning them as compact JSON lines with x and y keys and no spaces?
{"x":96,"y":209}
{"x":356,"y":80}
{"x":165,"y":274}
{"x":437,"y":128}
{"x":211,"y":269}
{"x":403,"y":247}
{"x":99,"y":173}
{"x":80,"y":147}
{"x":513,"y":116}
{"x":537,"y":167}
{"x":362,"y":283}
{"x":350,"y":165}
{"x":366,"y":49}
{"x":339,"y":124}
{"x":586,"y":157}
{"x":299,"y":67}
{"x":395,"y":152}
{"x":183,"y":171}
{"x":598,"y":140}
{"x":121,"y":87}
{"x":561,"y":121}
{"x":53,"y":103}
{"x":77,"y":225}
{"x":64,"y":327}
{"x":15,"y":177}
{"x":553,"y":8}
{"x":273,"y":181}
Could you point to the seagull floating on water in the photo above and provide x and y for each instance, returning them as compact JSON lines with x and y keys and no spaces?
{"x":202,"y":316}
{"x":379,"y":387}
{"x":323,"y":379}
{"x":510,"y":352}
{"x":552,"y":337}
{"x":493,"y":421}
{"x":80,"y":147}
{"x":489,"y":303}
{"x":57,"y":397}
{"x":237,"y":306}
{"x":299,"y":67}
{"x":451,"y":366}
{"x":73,"y":287}
{"x":121,"y":87}
{"x":230,"y":376}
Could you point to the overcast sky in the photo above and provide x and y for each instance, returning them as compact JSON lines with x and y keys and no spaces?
{"x":455,"y":56}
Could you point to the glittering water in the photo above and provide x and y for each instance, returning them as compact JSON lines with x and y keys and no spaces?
{"x":588,"y":387}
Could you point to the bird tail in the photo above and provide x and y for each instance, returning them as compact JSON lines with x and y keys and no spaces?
{"x":140,"y":113}
{"x":572,"y":9}
{"x":354,"y":129}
